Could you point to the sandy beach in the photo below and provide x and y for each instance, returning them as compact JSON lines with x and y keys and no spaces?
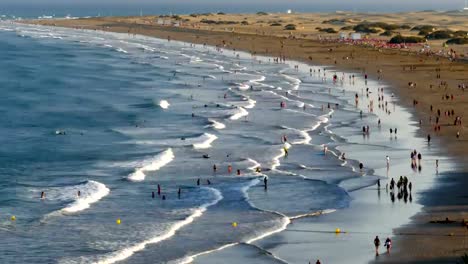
{"x":425,"y":82}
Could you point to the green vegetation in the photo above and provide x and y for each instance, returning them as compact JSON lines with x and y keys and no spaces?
{"x":387,"y":33}
{"x":405,"y":27}
{"x":460,"y":33}
{"x":328,"y":30}
{"x":244,"y":23}
{"x":220,"y":22}
{"x":334,"y":21}
{"x":221,"y":13}
{"x":403,"y":39}
{"x":365,"y":28}
{"x":290,"y":27}
{"x":261,"y":13}
{"x":427,"y":28}
{"x":275,"y":24}
{"x":440,"y":34}
{"x":347,"y":28}
{"x":457,"y":41}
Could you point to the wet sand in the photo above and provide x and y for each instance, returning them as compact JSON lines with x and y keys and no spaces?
{"x":419,"y":240}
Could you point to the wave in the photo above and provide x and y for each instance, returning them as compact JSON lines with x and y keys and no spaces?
{"x":127,"y":252}
{"x":209,"y":138}
{"x":215,"y":124}
{"x":164,"y":104}
{"x":154,"y":164}
{"x":240,"y":113}
{"x":121,"y":50}
{"x":90,"y":192}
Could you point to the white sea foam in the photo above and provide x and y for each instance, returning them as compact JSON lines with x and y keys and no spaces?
{"x":239,"y":114}
{"x":121,"y":50}
{"x":215,"y":124}
{"x":129,"y":251}
{"x":207,"y":139}
{"x":153,"y":164}
{"x":164,"y":104}
{"x":90,"y":193}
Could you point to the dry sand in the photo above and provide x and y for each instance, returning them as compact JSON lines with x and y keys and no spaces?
{"x":420,"y":241}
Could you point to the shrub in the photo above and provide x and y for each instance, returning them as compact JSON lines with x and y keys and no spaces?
{"x":328,"y":30}
{"x":364,"y":28}
{"x":402,"y":39}
{"x":387,"y":33}
{"x":457,"y":41}
{"x":221,"y":13}
{"x":244,"y":23}
{"x":261,"y":13}
{"x":405,"y":27}
{"x":290,"y":27}
{"x":460,"y":33}
{"x":440,"y":34}
{"x":275,"y":24}
{"x":347,"y":28}
{"x":427,"y":28}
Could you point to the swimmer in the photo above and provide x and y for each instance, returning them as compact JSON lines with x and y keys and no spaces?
{"x":198,"y":181}
{"x":79,"y":193}
{"x":229,"y":169}
{"x":178,"y":193}
{"x":238,"y":172}
{"x":42,"y":195}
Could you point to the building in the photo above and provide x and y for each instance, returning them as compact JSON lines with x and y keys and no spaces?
{"x":356,"y":36}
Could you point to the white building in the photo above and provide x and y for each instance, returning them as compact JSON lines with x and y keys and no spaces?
{"x":355,"y":36}
{"x":343,"y":35}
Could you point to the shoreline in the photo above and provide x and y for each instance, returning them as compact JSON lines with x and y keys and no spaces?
{"x":298,"y":49}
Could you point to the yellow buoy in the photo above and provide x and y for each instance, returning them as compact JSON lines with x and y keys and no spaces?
{"x":337,"y":230}
{"x":13,"y":218}
{"x":118,"y":221}
{"x":234,"y":224}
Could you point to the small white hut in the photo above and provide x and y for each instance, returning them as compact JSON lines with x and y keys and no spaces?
{"x":356,"y":36}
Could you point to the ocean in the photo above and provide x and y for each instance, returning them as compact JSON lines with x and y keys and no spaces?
{"x":116,"y":117}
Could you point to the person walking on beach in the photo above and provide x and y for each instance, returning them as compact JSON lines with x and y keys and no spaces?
{"x":376,"y":244}
{"x":388,"y":244}
{"x":388,"y":162}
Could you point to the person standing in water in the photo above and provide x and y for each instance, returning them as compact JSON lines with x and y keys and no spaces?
{"x":179,"y":192}
{"x":265,"y":182}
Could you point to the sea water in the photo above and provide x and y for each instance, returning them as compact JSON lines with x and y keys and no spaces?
{"x":114,"y":116}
